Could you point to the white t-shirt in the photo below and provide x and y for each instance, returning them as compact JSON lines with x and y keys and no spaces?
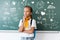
{"x":29,"y":26}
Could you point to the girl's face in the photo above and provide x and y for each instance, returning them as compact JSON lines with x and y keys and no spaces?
{"x":27,"y":12}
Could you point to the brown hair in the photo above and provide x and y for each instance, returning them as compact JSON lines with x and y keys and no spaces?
{"x":29,"y":8}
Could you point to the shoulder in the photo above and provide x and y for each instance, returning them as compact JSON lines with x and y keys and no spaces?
{"x":34,"y":20}
{"x":20,"y":20}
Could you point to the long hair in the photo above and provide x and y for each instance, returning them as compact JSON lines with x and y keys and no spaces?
{"x":31,"y":10}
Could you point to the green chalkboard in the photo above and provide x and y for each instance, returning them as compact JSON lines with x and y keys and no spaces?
{"x":45,"y":12}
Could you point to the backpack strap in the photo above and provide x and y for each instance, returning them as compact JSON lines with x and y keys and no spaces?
{"x":31,"y":22}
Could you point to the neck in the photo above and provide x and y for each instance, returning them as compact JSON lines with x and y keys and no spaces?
{"x":28,"y":17}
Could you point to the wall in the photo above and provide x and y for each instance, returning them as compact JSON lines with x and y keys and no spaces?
{"x":40,"y":35}
{"x":47,"y":36}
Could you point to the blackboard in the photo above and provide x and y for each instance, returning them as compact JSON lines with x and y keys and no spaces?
{"x":45,"y":12}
